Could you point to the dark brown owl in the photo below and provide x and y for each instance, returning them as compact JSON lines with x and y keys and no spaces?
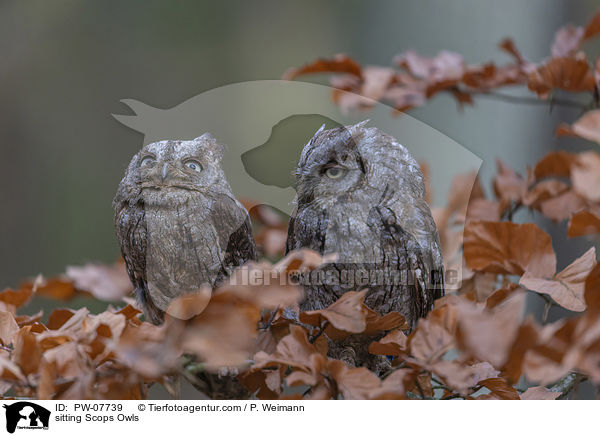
{"x":361,"y":195}
{"x":178,"y":223}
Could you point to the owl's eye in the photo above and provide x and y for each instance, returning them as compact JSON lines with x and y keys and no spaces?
{"x":193,"y":165}
{"x":334,"y":172}
{"x":147,"y":161}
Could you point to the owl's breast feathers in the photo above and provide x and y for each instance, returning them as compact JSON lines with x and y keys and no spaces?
{"x":405,"y":274}
{"x":173,"y":251}
{"x":130,"y":223}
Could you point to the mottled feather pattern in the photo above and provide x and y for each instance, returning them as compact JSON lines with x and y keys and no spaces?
{"x":179,"y":226}
{"x":370,"y":210}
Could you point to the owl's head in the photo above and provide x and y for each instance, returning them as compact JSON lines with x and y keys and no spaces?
{"x":337,"y":162}
{"x":174,"y":168}
{"x":330,"y":165}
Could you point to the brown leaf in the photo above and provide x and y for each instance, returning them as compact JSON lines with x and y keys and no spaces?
{"x":593,"y":27}
{"x":555,"y":164}
{"x":479,"y":285}
{"x":488,"y":335}
{"x":568,"y":73}
{"x":508,"y":185}
{"x":149,"y":350}
{"x":509,"y":248}
{"x":340,"y":63}
{"x":393,"y":344}
{"x":583,"y":223}
{"x":293,"y":351}
{"x":405,"y":97}
{"x":302,"y":260}
{"x":268,"y":286}
{"x":130,"y":312}
{"x":58,"y":317}
{"x":567,"y":287}
{"x":27,"y":352}
{"x":189,"y":305}
{"x":488,"y":76}
{"x":539,"y":393}
{"x":500,"y":388}
{"x":376,"y":81}
{"x":46,"y":385}
{"x":394,"y":386}
{"x":224,"y":334}
{"x":500,"y":295}
{"x":8,"y":327}
{"x":446,"y":66}
{"x":69,"y":358}
{"x":9,"y":370}
{"x":353,"y":383}
{"x":508,"y":45}
{"x":347,"y":313}
{"x":377,"y":323}
{"x":527,"y":337}
{"x":585,"y":175}
{"x":461,"y":376}
{"x":56,"y":288}
{"x":544,"y":191}
{"x":555,"y":353}
{"x":464,"y":189}
{"x":17,"y":297}
{"x":482,"y":209}
{"x":105,"y":282}
{"x":34,"y":319}
{"x":567,"y":41}
{"x":592,"y":291}
{"x":563,"y":206}
{"x":587,"y":127}
{"x":272,"y":241}
{"x":434,"y":335}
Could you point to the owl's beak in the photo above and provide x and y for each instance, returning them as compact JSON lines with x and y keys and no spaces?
{"x":164,"y":172}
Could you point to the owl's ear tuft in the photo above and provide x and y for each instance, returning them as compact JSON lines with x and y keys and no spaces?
{"x":357,"y":130}
{"x":320,"y":129}
{"x":358,"y":126}
{"x":205,"y":137}
{"x":211,"y":144}
{"x":317,"y":133}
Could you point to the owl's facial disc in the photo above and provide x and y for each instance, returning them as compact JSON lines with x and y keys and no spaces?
{"x":329,"y":181}
{"x":185,"y":173}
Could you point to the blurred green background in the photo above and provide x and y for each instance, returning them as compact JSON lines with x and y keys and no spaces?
{"x":66,"y":64}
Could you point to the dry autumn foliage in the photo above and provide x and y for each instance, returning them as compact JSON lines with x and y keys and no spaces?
{"x":477,"y":343}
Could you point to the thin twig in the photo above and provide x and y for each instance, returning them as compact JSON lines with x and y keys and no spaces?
{"x":394,"y":369}
{"x":453,"y":396}
{"x":321,"y":331}
{"x":567,"y":384}
{"x":549,"y":304}
{"x":553,"y":101}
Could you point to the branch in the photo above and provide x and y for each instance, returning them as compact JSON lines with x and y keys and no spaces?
{"x":567,"y":384}
{"x":553,"y":101}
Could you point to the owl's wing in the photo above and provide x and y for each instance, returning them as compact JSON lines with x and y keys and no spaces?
{"x":402,"y":251}
{"x":290,"y":242}
{"x":307,"y":229}
{"x":130,"y":223}
{"x":232,"y":224}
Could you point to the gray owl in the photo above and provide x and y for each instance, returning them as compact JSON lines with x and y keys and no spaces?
{"x":178,"y":223}
{"x":361,"y":195}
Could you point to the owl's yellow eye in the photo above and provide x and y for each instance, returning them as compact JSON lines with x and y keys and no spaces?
{"x":193,"y":165}
{"x":147,"y":161}
{"x":334,"y":172}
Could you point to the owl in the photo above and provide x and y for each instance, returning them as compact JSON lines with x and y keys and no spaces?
{"x":361,"y":195}
{"x":178,"y":223}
